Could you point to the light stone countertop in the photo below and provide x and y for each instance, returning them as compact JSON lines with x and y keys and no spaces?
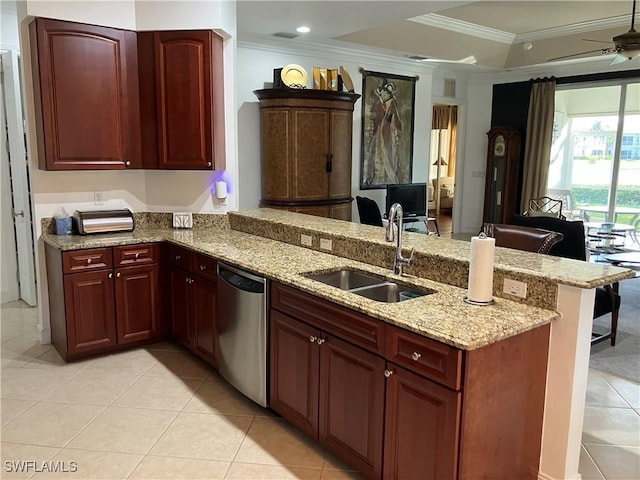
{"x":441,"y":316}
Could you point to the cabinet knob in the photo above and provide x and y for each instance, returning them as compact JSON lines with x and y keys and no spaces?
{"x":127,"y":163}
{"x":177,"y":257}
{"x":208,"y":164}
{"x":118,"y":274}
{"x":137,"y":255}
{"x":110,"y":275}
{"x":415,"y":356}
{"x":202,"y":267}
{"x":187,"y":279}
{"x":88,"y":261}
{"x":320,"y":341}
{"x":388,"y":373}
{"x":312,"y":339}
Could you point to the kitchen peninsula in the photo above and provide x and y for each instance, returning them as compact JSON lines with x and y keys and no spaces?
{"x":267,"y":242}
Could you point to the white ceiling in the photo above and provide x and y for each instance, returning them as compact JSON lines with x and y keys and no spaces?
{"x":495,"y":32}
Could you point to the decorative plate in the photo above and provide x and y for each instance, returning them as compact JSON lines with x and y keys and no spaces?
{"x":294,"y":76}
{"x":346,"y":79}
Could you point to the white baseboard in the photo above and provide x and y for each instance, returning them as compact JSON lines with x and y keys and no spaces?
{"x":543,"y":476}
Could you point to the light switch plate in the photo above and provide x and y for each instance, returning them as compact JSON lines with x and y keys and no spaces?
{"x":182,"y":220}
{"x":306,"y":240}
{"x":326,"y":244}
{"x":514,"y":287}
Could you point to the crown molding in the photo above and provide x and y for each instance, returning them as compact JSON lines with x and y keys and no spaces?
{"x":466,"y":28}
{"x":334,"y":52}
{"x":582,"y":27}
{"x":486,"y":33}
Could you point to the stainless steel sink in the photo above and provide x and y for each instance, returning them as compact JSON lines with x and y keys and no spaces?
{"x":369,"y":286}
{"x":346,"y":279}
{"x":391,"y":292}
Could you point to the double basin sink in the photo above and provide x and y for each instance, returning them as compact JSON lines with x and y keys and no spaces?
{"x":369,"y":286}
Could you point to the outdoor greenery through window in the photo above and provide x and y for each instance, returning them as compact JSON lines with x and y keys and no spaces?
{"x":595,"y":156}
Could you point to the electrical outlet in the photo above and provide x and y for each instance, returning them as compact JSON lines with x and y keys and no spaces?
{"x":326,"y":244}
{"x":98,"y":198}
{"x":515,"y":288}
{"x":306,"y":240}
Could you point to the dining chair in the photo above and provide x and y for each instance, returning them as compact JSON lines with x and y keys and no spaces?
{"x":544,"y":207}
{"x":369,"y":212}
{"x":529,"y":239}
{"x":573,"y":246}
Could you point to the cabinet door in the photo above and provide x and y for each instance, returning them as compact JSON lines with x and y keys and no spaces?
{"x":181,"y":316}
{"x":90,"y":311}
{"x":203,"y":300}
{"x":188,"y":133}
{"x":137,"y":303}
{"x":341,"y":156}
{"x":294,"y":372}
{"x":310,"y":154}
{"x":351,"y":408}
{"x":86,"y":94}
{"x":421,"y":426}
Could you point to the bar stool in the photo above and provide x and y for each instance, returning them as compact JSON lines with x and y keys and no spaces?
{"x":434,"y":222}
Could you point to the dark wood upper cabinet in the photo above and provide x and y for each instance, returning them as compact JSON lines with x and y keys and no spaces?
{"x":86,"y":95}
{"x":182,"y":99}
{"x":108,"y":98}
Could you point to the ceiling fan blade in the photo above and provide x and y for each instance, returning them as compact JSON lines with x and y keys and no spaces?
{"x":597,"y":41}
{"x":603,"y":51}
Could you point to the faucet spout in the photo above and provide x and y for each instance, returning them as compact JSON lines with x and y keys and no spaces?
{"x":395,"y":220}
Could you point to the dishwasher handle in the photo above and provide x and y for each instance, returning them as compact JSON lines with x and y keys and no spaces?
{"x":241,"y":280}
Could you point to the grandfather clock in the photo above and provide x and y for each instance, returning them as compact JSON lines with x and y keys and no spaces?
{"x":501,"y":178}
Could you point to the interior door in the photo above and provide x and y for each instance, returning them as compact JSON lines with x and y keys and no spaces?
{"x":19,"y":177}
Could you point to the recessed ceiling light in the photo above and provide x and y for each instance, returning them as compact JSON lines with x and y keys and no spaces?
{"x":303,"y":29}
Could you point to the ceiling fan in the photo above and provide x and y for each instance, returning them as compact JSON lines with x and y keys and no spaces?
{"x":626,"y":45}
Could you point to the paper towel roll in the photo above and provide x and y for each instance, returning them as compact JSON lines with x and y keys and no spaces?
{"x":480,"y":287}
{"x":221,"y":189}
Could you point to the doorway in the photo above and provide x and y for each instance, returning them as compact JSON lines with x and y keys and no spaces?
{"x":442,"y":163}
{"x":17,"y":227}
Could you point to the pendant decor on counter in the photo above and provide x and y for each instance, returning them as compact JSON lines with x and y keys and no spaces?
{"x":480,"y":287}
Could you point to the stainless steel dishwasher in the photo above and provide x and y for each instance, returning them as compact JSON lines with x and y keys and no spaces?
{"x":242,"y":331}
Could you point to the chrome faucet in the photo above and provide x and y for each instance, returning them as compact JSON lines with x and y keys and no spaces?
{"x":395,"y":215}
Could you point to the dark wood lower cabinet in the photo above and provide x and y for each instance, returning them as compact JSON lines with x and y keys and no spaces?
{"x":421,"y":424}
{"x":96,"y":308}
{"x":351,"y":409}
{"x":331,"y":390}
{"x":193,"y":307}
{"x":90,"y":311}
{"x":415,"y":409}
{"x":137,"y":301}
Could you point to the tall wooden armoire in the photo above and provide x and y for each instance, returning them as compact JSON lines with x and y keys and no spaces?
{"x":306,"y":150}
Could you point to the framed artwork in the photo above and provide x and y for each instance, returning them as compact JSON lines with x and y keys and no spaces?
{"x":387,"y":129}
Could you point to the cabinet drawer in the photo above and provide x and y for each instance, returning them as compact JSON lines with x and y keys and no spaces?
{"x":84,"y":260}
{"x":136,"y":254}
{"x":181,"y":257}
{"x":205,"y":267}
{"x":432,"y":359}
{"x":347,"y":324}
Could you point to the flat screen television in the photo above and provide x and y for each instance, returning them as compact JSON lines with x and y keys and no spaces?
{"x":412,"y":197}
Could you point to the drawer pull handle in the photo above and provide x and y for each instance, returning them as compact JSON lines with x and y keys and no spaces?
{"x":312,"y":339}
{"x":88,"y":261}
{"x":415,"y":356}
{"x":110,"y":275}
{"x":136,"y":256}
{"x":202,"y":267}
{"x":320,"y":341}
{"x":118,"y":274}
{"x":388,"y":373}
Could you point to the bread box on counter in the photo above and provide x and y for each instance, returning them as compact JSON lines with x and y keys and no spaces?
{"x":103,"y":221}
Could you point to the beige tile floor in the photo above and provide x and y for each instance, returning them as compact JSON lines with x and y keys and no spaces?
{"x":158,"y":413}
